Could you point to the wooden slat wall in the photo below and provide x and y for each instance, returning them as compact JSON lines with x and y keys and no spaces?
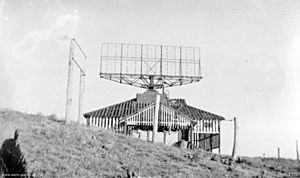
{"x":105,"y":123}
{"x":168,"y":117}
{"x":207,"y":126}
{"x":206,"y":141}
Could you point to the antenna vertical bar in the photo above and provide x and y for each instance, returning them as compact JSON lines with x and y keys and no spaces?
{"x":121,"y":63}
{"x":101,"y":58}
{"x":199,"y":72}
{"x":69,"y":83}
{"x":141,"y":59}
{"x":180,"y":64}
{"x":161,"y":61}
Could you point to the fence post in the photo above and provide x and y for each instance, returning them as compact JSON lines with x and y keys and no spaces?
{"x":165,"y":137}
{"x":69,"y":83}
{"x":148,"y":135}
{"x":297,"y":151}
{"x":179,"y":135}
{"x":155,"y":120}
{"x":234,"y":139}
{"x":125,"y":128}
{"x":278,"y":153}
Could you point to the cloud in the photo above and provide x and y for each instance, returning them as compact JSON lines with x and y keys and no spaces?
{"x":61,"y":32}
{"x":29,"y":43}
{"x":65,"y":28}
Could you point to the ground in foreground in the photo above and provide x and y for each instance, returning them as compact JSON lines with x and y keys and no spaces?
{"x":51,"y":148}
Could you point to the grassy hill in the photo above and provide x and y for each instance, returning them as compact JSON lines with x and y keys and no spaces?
{"x":51,"y":148}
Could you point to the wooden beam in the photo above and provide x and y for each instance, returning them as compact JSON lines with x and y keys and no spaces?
{"x":81,"y":97}
{"x":297,"y":151}
{"x":69,"y":84}
{"x":148,"y":135}
{"x":219,"y":131}
{"x":234,"y":139}
{"x":125,"y":128}
{"x":155,"y":120}
{"x":179,"y":135}
{"x":165,"y":138}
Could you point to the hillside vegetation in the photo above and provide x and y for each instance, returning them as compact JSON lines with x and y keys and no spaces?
{"x":51,"y":148}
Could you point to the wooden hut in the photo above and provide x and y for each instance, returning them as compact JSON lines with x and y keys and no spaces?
{"x":177,"y":121}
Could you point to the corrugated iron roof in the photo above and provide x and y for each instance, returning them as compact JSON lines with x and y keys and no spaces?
{"x":118,"y":110}
{"x":129,"y":107}
{"x":195,"y":113}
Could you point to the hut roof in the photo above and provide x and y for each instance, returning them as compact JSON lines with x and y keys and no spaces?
{"x":129,"y":107}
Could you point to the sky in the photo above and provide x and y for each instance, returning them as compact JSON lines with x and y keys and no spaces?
{"x":249,"y":56}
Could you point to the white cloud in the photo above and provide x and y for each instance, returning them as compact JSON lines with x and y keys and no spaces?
{"x":29,"y":43}
{"x":65,"y":28}
{"x":61,"y":32}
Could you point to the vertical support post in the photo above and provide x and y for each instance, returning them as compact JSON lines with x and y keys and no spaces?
{"x":155,"y":120}
{"x":179,"y":135}
{"x":219,"y":131}
{"x":69,"y":83}
{"x":101,"y":57}
{"x":121,"y":63}
{"x":190,"y":137}
{"x":297,"y":151}
{"x":199,"y":72}
{"x":165,"y":137}
{"x":141,"y":60}
{"x":180,"y":65}
{"x":88,"y":121}
{"x":81,"y":96}
{"x":148,"y":135}
{"x":264,"y":155}
{"x":234,"y":139}
{"x":278,"y":153}
{"x":125,"y":128}
{"x":161,"y":61}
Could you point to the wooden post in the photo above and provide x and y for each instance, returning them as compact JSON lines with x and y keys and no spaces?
{"x":125,"y":128}
{"x":69,"y":83}
{"x":278,"y":153}
{"x":81,"y":93}
{"x":234,"y":139}
{"x":155,"y":120}
{"x":297,"y":151}
{"x":190,"y":137}
{"x":148,"y":135}
{"x":219,"y":130}
{"x":165,"y":137}
{"x":179,"y":135}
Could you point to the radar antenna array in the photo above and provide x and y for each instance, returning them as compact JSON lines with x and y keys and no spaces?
{"x":150,"y":66}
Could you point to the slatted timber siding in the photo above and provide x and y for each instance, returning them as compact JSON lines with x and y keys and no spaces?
{"x":167,"y":117}
{"x":143,"y":117}
{"x":175,"y":113}
{"x":206,"y":141}
{"x":207,"y":126}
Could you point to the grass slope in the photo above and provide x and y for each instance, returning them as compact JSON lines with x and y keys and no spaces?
{"x":54,"y":149}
